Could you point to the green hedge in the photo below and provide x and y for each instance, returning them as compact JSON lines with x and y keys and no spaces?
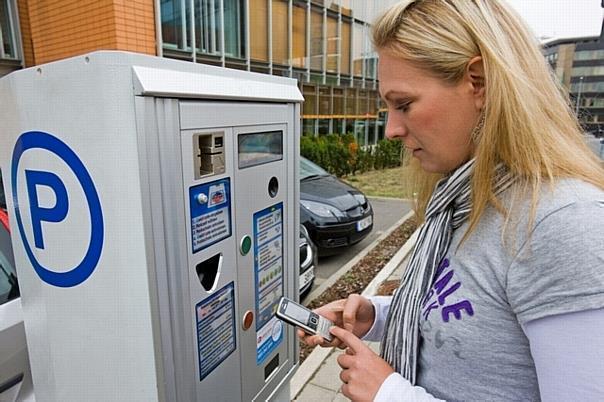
{"x":342,"y":156}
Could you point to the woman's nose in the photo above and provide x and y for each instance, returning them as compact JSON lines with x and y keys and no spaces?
{"x":395,"y":128}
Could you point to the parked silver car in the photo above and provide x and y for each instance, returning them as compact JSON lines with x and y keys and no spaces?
{"x":15,"y":373}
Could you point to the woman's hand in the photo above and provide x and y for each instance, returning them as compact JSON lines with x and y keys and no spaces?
{"x":355,"y":314}
{"x":363,"y":372}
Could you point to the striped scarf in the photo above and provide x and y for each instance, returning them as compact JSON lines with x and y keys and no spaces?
{"x":448,"y":209}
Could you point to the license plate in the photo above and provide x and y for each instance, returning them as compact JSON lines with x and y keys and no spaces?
{"x":364,"y":223}
{"x":307,"y":277}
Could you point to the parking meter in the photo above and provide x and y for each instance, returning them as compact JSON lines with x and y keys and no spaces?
{"x":153,"y":206}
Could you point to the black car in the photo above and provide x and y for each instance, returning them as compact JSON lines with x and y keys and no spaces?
{"x":335,"y":214}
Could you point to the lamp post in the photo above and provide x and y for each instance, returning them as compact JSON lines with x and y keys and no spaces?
{"x":579,"y":96}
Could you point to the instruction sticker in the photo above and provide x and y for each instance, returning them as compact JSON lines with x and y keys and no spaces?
{"x":210,"y":213}
{"x":216,"y":338}
{"x":268,"y":269}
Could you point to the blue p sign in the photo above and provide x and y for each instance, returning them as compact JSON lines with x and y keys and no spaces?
{"x":37,"y":179}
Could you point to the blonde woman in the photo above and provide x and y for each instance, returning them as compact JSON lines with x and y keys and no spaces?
{"x":503,"y":297}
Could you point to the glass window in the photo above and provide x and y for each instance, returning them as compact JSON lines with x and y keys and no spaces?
{"x":9,"y":287}
{"x":381,"y":126}
{"x":309,"y":107}
{"x":589,"y":55}
{"x":370,"y":67}
{"x":324,"y":100}
{"x":316,"y":40}
{"x":259,"y":148}
{"x":280,"y":32}
{"x":358,"y":50}
{"x":299,"y":36}
{"x":308,"y":169}
{"x":208,"y":27}
{"x":8,"y":49}
{"x":587,"y":87}
{"x":234,"y":28}
{"x":338,"y":126}
{"x":359,"y":131}
{"x":349,"y":126}
{"x":371,"y":132}
{"x":363,"y":104}
{"x":332,"y":44}
{"x":351,"y":101}
{"x":308,"y":127}
{"x":587,"y":71}
{"x":338,"y":101}
{"x":259,"y":30}
{"x":373,"y":102}
{"x":174,"y":24}
{"x":345,"y":49}
{"x":324,"y":126}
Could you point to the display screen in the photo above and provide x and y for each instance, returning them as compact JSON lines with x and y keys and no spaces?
{"x":259,"y":148}
{"x":297,"y":313}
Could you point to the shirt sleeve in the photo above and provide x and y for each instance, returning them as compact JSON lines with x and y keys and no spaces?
{"x":381,"y":305}
{"x":397,"y":389}
{"x":568,"y":350}
{"x":560,"y":269}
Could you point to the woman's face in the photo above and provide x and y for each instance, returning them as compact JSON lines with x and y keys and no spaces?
{"x":433,"y":119}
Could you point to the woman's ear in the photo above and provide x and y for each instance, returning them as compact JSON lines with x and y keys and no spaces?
{"x":475,"y":77}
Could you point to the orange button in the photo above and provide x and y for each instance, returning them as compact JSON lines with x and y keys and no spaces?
{"x":248,"y":320}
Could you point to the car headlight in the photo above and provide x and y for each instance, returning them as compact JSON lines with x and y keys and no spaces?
{"x":324,"y":210}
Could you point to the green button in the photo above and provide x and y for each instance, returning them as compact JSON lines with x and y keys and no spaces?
{"x":246,"y":245}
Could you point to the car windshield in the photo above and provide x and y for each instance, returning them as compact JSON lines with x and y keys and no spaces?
{"x":310,"y":169}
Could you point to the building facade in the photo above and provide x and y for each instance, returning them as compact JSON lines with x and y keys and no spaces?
{"x":324,"y":44}
{"x":578,"y":64}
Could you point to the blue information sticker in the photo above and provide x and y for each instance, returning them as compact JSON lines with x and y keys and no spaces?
{"x":268,"y":270}
{"x":216,"y":337}
{"x":210,"y":213}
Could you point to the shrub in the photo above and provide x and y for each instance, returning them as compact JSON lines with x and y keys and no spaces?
{"x":341,"y":155}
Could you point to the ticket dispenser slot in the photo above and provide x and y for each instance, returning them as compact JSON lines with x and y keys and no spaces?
{"x":208,"y":154}
{"x":208,"y":272}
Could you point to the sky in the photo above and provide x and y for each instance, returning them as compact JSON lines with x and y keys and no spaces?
{"x":561,"y":18}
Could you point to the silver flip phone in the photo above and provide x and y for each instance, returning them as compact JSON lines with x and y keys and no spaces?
{"x":298,"y":315}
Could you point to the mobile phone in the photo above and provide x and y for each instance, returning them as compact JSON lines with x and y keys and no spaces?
{"x":298,"y":315}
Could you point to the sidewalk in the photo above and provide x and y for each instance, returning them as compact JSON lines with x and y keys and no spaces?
{"x":318,"y":378}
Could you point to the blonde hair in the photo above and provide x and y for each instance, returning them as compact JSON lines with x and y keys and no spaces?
{"x":528,"y":123}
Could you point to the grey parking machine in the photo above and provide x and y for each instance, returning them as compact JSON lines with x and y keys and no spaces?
{"x":153,"y":206}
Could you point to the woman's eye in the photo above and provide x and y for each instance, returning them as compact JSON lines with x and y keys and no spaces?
{"x":403,"y":106}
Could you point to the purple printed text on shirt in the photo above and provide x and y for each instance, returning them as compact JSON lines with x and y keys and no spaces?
{"x":443,"y":291}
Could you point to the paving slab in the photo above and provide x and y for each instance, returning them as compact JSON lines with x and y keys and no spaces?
{"x":320,"y":373}
{"x":313,"y":393}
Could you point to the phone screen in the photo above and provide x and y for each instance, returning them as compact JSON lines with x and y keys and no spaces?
{"x":298,"y":313}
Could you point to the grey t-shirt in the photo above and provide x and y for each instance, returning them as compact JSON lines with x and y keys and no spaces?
{"x":473,"y":347}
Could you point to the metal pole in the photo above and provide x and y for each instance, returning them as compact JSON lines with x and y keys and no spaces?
{"x":579,"y":96}
{"x":159,"y":39}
